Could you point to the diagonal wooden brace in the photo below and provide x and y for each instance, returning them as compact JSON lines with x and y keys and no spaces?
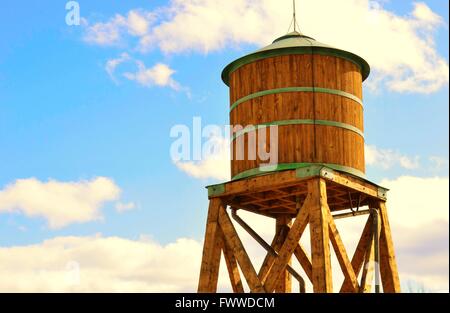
{"x":233,"y":241}
{"x":288,"y":247}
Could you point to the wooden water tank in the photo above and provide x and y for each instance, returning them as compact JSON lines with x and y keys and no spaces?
{"x":312,"y":91}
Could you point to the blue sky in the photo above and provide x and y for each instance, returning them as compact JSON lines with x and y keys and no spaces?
{"x":63,"y":117}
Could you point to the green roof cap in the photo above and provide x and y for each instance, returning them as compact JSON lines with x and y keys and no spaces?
{"x":295,"y":43}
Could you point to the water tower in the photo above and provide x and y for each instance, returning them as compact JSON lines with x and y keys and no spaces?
{"x":312,"y":93}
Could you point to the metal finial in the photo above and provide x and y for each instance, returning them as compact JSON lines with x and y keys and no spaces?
{"x":295,"y":19}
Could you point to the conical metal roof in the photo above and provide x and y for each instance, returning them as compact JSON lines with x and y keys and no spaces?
{"x":295,"y":43}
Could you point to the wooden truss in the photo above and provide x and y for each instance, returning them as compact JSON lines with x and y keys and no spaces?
{"x":296,"y":198}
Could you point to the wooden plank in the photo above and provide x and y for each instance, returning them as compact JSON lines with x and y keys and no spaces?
{"x":358,"y":256}
{"x":288,"y":179}
{"x":233,"y":270}
{"x":260,"y":183}
{"x":341,"y":253}
{"x":320,"y":245}
{"x":279,"y":196}
{"x":304,"y":260}
{"x":370,"y":262}
{"x":388,"y":264}
{"x":354,"y":183}
{"x":284,"y":284}
{"x":209,"y":270}
{"x":368,"y":269}
{"x":270,"y":258}
{"x":288,"y":247}
{"x":234,"y":242}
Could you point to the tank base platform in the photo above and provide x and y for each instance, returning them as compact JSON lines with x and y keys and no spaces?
{"x":279,"y":193}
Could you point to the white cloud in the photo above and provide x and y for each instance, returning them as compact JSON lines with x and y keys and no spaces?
{"x":418,"y":212}
{"x":123,"y":207}
{"x":400,"y":49}
{"x":159,"y":75}
{"x":423,"y":13}
{"x":96,"y":264}
{"x":417,"y":201}
{"x":60,"y":203}
{"x":105,"y":34}
{"x":387,"y":158}
{"x":438,"y":163}
{"x":112,"y":64}
{"x":215,"y":164}
{"x":136,"y":23}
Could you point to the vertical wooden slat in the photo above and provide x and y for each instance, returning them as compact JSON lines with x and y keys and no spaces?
{"x":209,"y":270}
{"x":233,"y":241}
{"x":320,"y":245}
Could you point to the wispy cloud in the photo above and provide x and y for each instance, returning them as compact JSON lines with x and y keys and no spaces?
{"x":387,"y":158}
{"x":438,"y":163}
{"x":112,"y":64}
{"x":123,"y":207}
{"x":136,"y":23}
{"x":158,"y":75}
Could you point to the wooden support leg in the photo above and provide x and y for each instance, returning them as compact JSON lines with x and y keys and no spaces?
{"x":233,"y":241}
{"x":233,"y":270}
{"x":209,"y":271}
{"x":388,"y":264}
{"x":358,"y":256}
{"x":320,"y":245}
{"x":341,"y":253}
{"x":284,"y":284}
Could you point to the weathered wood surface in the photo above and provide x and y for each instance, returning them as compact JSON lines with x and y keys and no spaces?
{"x":212,"y":246}
{"x":341,"y":252}
{"x":388,"y":264}
{"x":288,"y":247}
{"x":234,"y":242}
{"x":320,"y":244}
{"x":358,"y":256}
{"x":233,"y":270}
{"x":301,"y":143}
{"x":284,"y":284}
